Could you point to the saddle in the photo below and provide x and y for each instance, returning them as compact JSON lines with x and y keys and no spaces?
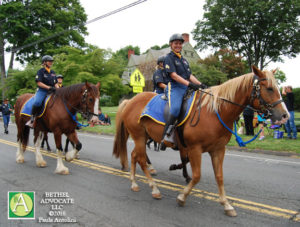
{"x":27,"y":107}
{"x":157,"y":109}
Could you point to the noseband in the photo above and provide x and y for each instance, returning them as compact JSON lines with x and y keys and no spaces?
{"x":265,"y":107}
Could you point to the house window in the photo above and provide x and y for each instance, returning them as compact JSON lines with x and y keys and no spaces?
{"x":192,"y":54}
{"x":185,"y":53}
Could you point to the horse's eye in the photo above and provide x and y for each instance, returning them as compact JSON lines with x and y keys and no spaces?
{"x":90,"y":99}
{"x":270,"y":89}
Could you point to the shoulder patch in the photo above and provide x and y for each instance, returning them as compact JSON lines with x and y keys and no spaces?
{"x":167,"y":67}
{"x":36,"y":77}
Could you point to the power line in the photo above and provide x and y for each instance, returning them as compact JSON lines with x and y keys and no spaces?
{"x":74,"y":27}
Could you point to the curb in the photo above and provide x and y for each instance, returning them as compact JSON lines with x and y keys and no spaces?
{"x":268,"y":152}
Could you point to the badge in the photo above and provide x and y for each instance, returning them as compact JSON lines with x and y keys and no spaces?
{"x":167,"y":67}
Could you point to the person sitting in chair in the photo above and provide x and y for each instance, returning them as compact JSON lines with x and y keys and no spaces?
{"x":47,"y":82}
{"x":181,"y":78}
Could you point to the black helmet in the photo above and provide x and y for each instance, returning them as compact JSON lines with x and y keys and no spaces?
{"x":59,"y":76}
{"x":47,"y":58}
{"x":160,"y":59}
{"x":176,"y":37}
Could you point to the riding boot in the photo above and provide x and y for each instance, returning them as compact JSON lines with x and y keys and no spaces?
{"x":168,"y":134}
{"x":34,"y":113}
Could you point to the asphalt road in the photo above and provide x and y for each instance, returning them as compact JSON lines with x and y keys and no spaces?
{"x":264,"y":189}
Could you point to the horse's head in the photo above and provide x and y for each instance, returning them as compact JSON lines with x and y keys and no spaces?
{"x":266,"y":96}
{"x":90,"y":101}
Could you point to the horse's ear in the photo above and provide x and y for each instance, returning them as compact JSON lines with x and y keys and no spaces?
{"x":274,"y":71}
{"x":256,"y":71}
{"x":98,"y":85}
{"x":87,"y":84}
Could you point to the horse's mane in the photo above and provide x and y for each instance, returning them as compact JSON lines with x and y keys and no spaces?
{"x":228,"y":90}
{"x":73,"y":89}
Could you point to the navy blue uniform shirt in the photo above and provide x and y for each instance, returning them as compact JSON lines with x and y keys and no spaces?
{"x":5,"y":109}
{"x":45,"y":77}
{"x":179,"y":65}
{"x":159,"y":76}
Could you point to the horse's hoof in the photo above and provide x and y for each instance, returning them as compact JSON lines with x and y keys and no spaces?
{"x":63,"y":172}
{"x":231,"y":213}
{"x":20,"y":160}
{"x":180,"y":200}
{"x":41,"y":164}
{"x":124,"y":168}
{"x":173,"y":167}
{"x":153,"y":172}
{"x":135,"y":188}
{"x":156,"y":196}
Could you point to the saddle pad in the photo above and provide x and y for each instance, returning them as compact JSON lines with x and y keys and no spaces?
{"x":27,"y":107}
{"x":155,"y":109}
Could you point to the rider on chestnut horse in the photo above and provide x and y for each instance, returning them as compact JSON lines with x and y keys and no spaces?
{"x":180,"y":75}
{"x":47,"y":82}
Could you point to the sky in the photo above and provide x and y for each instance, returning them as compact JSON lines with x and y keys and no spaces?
{"x":152,"y":23}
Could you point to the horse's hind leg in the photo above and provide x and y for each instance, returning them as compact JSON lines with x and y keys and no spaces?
{"x":217,"y":158}
{"x":20,"y":153}
{"x":150,"y":167}
{"x":139,"y":155}
{"x":60,"y":167}
{"x":40,"y":162}
{"x":195,"y":157}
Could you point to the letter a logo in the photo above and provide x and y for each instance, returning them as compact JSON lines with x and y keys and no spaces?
{"x":21,"y":205}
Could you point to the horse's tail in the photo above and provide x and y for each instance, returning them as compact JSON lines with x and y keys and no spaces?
{"x":23,"y":131}
{"x":121,"y":137}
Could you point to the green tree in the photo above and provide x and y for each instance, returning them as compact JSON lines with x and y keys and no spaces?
{"x":260,"y":31}
{"x":208,"y":75}
{"x":123,"y":52}
{"x":280,"y":76}
{"x":31,"y":28}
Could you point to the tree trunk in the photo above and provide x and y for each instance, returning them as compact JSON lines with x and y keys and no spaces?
{"x":2,"y":63}
{"x":12,"y":56}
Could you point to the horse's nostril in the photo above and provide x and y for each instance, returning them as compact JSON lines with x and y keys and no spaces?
{"x":284,"y":116}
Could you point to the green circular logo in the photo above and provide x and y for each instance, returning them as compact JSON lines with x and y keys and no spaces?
{"x":21,"y":204}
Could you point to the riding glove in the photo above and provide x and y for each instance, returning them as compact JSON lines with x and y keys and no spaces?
{"x":52,"y":89}
{"x":194,"y":86}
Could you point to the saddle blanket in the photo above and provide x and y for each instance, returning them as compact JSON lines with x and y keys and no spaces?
{"x":27,"y":107}
{"x":155,"y":109}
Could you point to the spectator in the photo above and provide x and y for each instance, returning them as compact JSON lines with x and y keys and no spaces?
{"x":107,"y":120}
{"x":289,"y":102}
{"x":101,"y":117}
{"x":261,"y":124}
{"x":248,"y":115}
{"x":6,"y":109}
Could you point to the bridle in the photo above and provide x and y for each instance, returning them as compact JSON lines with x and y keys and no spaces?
{"x":265,"y":107}
{"x":84,"y":111}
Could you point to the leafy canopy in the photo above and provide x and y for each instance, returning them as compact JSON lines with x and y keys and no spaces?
{"x":260,"y":31}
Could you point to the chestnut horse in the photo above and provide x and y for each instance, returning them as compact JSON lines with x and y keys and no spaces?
{"x":66,"y":101}
{"x":259,"y":89}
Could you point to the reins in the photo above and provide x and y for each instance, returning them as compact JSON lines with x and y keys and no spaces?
{"x":265,"y":109}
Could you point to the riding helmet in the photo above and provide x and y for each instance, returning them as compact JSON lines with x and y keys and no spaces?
{"x":176,"y":36}
{"x":59,"y":76}
{"x":160,"y":59}
{"x":47,"y":58}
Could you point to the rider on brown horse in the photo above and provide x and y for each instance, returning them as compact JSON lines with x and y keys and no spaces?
{"x":47,"y":82}
{"x":180,"y":75}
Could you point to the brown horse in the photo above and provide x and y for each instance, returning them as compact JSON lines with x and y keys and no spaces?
{"x":259,"y":89}
{"x":76,"y":98}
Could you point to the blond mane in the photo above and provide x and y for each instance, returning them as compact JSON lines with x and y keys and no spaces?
{"x":228,"y":90}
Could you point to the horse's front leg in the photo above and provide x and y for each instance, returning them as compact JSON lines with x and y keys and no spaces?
{"x":60,"y":167}
{"x":195,"y":157}
{"x":40,"y":162}
{"x":70,"y":155}
{"x":217,"y":158}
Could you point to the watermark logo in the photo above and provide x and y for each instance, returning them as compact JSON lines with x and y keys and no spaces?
{"x":21,"y":205}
